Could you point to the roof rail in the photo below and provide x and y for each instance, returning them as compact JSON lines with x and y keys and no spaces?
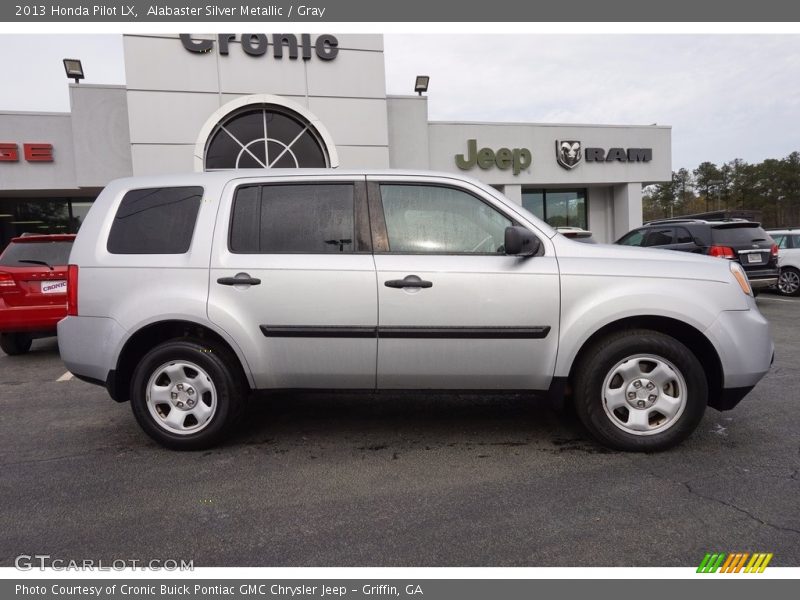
{"x":697,"y":220}
{"x":674,"y":220}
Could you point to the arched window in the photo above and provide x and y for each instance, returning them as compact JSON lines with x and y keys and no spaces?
{"x":264,"y":136}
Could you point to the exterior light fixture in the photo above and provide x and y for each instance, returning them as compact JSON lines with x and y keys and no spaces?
{"x":421,"y":85}
{"x":74,"y":69}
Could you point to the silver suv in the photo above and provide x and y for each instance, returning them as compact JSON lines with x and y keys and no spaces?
{"x":187,"y":292}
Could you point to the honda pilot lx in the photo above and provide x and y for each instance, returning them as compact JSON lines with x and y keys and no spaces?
{"x":186,"y":292}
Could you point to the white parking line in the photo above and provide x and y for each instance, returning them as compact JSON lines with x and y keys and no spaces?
{"x":65,"y":377}
{"x":760,"y":299}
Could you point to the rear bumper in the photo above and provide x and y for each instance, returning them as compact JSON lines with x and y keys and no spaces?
{"x":761,"y":284}
{"x":88,"y":346}
{"x":30,"y":318}
{"x":762,"y":278}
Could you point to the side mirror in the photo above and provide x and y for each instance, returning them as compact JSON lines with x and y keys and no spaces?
{"x":521,"y":242}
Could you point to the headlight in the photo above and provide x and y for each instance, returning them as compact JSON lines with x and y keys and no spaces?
{"x":741,"y":277}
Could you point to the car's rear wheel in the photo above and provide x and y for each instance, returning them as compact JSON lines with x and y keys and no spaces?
{"x":640,"y":390}
{"x":15,"y":343}
{"x":187,"y":394}
{"x":789,"y":282}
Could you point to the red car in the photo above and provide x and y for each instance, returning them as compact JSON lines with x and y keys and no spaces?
{"x":33,"y":289}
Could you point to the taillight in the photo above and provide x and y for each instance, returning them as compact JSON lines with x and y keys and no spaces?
{"x":6,"y":281}
{"x":774,"y":250}
{"x":72,"y":290}
{"x":721,"y":251}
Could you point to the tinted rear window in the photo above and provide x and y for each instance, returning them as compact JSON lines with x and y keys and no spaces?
{"x":155,"y":221}
{"x":732,"y":236}
{"x":308,"y":219}
{"x":53,"y":253}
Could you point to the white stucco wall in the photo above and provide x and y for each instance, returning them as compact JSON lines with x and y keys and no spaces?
{"x":172,"y":92}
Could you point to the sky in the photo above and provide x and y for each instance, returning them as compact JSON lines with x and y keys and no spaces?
{"x":725,"y":96}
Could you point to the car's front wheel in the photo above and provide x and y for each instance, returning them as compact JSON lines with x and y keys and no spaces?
{"x":789,"y":281}
{"x":187,"y":394}
{"x":15,"y":343}
{"x":640,"y":390}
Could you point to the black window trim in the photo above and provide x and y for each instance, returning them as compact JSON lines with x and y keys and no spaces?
{"x":380,"y":234}
{"x":361,"y":227}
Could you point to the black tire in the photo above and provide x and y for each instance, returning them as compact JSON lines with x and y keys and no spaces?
{"x":786,"y":288}
{"x":224,"y":372}
{"x":598,"y":362}
{"x":15,"y":343}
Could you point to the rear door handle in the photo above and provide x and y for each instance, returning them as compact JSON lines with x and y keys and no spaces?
{"x":409,"y":281}
{"x":239,"y":279}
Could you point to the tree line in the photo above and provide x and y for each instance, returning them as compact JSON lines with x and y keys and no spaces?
{"x":771,"y":187}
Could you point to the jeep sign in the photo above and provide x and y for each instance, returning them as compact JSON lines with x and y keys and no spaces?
{"x":517,"y":159}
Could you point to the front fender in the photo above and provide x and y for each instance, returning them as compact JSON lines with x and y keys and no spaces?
{"x":593,"y":302}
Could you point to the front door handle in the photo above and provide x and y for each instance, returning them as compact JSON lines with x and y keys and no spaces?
{"x":409,"y":281}
{"x":239,"y":279}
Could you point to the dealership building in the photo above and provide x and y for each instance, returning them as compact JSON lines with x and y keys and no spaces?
{"x":207,"y":102}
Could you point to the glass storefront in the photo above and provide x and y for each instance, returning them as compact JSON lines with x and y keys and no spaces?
{"x":557,"y":207}
{"x":40,"y":215}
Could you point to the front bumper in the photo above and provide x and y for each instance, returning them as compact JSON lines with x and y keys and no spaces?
{"x":744,"y":345}
{"x":730,"y":397}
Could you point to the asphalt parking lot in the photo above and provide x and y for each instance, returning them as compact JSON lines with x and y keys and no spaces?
{"x":395,"y":480}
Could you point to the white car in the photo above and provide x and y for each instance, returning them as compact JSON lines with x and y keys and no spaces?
{"x":788,"y":241}
{"x":185,"y":292}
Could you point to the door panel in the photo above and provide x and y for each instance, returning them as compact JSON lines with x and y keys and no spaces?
{"x":310,"y":322}
{"x":486,"y":320}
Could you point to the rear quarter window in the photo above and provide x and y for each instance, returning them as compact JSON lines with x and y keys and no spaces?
{"x":155,"y":221}
{"x":53,"y":253}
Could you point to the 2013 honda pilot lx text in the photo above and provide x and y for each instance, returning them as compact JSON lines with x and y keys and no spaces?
{"x":187,"y":292}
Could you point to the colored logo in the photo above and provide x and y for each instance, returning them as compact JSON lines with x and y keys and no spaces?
{"x":735,"y":562}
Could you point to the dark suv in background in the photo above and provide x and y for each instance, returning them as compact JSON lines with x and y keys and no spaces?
{"x":735,"y":239}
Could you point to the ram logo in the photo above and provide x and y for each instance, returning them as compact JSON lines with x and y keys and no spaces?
{"x":568,"y":153}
